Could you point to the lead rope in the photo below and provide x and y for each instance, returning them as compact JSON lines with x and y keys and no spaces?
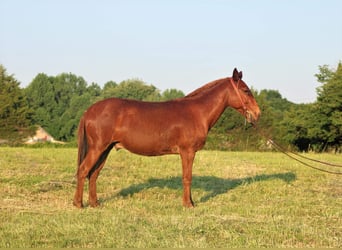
{"x":307,"y":158}
{"x":288,"y":153}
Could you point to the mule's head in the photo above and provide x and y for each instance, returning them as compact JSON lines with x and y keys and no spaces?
{"x":242,"y":99}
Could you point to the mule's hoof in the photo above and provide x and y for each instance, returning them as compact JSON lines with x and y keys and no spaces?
{"x":94,"y":204}
{"x":78,"y":204}
{"x":188,"y":204}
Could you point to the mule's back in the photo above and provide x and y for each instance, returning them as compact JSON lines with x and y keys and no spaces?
{"x":146,"y":128}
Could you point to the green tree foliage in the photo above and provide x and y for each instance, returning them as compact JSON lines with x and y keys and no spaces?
{"x":274,"y":108}
{"x":318,"y":126}
{"x":14,"y":111}
{"x":108,"y":89}
{"x":58,"y":102}
{"x":138,"y":90}
{"x":170,"y":94}
{"x":70,"y":118}
{"x":298,"y":126}
{"x":131,"y":89}
{"x":328,"y":108}
{"x":40,"y":96}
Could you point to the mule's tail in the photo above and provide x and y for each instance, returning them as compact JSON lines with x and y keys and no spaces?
{"x":82,"y":143}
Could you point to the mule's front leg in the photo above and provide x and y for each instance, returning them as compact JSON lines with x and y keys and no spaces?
{"x":187,"y":200}
{"x":187,"y":161}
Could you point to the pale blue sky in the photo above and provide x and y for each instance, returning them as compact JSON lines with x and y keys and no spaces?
{"x":179,"y":44}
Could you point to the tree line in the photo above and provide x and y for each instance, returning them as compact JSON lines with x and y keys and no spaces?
{"x":57,"y":102}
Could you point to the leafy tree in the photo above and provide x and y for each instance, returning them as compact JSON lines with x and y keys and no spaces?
{"x":325,"y":74}
{"x":170,"y":94}
{"x":41,"y":99}
{"x":131,"y":89}
{"x":109,"y":85}
{"x":108,"y":90}
{"x":318,"y":126}
{"x":71,"y":116}
{"x":273,"y":110}
{"x":94,"y":89}
{"x":66,"y":87}
{"x":59,"y":101}
{"x":14,"y":112}
{"x":298,"y":127}
{"x":328,"y":108}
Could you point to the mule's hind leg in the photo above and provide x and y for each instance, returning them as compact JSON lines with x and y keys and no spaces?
{"x":93,"y":202}
{"x":94,"y":173}
{"x":82,"y":172}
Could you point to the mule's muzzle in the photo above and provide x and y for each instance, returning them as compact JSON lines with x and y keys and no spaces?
{"x":252,"y":117}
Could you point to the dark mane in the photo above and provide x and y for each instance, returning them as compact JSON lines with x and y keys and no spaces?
{"x":204,"y":88}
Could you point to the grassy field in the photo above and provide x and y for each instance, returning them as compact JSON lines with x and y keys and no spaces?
{"x":242,"y":200}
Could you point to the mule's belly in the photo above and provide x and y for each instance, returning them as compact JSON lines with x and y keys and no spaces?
{"x":150,"y":142}
{"x":147,"y":150}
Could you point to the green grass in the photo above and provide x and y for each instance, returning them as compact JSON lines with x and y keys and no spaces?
{"x":242,"y":200}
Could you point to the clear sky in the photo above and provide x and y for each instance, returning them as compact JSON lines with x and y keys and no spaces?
{"x":180,"y":44}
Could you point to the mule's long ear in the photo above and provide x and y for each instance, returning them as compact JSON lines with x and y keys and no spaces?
{"x":236,"y":75}
{"x":240,"y":75}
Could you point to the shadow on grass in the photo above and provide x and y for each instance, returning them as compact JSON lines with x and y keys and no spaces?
{"x":213,"y":185}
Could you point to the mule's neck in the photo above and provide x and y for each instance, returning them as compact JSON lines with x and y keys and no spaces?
{"x":213,"y":102}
